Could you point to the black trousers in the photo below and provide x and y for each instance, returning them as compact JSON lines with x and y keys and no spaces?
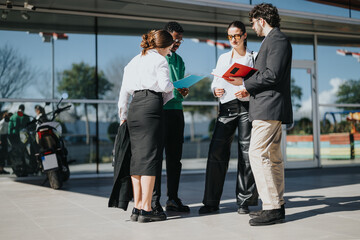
{"x":232,"y":115}
{"x":173,"y":143}
{"x":3,"y":149}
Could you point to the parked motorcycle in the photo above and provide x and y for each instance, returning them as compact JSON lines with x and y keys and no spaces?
{"x":52,"y":154}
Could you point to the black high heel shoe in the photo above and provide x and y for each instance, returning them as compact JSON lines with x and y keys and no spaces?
{"x":134,"y":215}
{"x":151,"y":216}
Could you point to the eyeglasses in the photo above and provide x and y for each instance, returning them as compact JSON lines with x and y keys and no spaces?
{"x":252,"y":23}
{"x":236,"y":36}
{"x":178,"y":41}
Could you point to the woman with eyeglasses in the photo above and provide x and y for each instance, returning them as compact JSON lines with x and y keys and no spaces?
{"x":233,"y":114}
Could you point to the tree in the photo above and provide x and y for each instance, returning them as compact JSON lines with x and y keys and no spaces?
{"x":348,"y":92}
{"x":302,"y":127}
{"x":114,"y":73}
{"x":79,"y":83}
{"x":199,"y":92}
{"x":15,"y":73}
{"x":296,"y":94}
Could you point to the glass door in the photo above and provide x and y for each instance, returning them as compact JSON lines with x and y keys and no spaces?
{"x":299,"y":140}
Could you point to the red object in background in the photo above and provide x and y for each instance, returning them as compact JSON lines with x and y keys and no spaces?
{"x":348,"y":53}
{"x":57,"y":36}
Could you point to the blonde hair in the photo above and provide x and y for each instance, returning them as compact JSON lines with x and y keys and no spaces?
{"x":155,"y":39}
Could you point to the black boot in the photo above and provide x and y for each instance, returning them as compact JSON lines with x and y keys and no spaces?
{"x":206,"y":209}
{"x":176,"y":205}
{"x":268,"y":217}
{"x":255,"y":214}
{"x":156,"y":207}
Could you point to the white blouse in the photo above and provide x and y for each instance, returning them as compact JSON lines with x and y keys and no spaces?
{"x":225,"y":61}
{"x":145,"y":72}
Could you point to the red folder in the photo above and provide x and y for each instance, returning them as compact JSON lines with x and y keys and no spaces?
{"x":236,"y":70}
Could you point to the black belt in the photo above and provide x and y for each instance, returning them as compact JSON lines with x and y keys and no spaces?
{"x":147,"y":91}
{"x":234,"y":107}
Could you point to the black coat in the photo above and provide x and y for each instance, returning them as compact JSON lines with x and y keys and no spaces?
{"x":122,"y":191}
{"x":269,"y":87}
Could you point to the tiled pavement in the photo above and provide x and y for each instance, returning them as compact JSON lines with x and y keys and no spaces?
{"x":321,"y":204}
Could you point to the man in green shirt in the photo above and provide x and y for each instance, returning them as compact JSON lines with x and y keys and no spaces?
{"x":173,"y":129}
{"x":18,"y":121}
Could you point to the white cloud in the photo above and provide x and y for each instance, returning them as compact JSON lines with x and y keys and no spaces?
{"x":325,"y":97}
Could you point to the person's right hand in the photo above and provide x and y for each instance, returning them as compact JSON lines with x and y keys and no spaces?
{"x":236,"y":81}
{"x":219,"y":92}
{"x":242,"y":93}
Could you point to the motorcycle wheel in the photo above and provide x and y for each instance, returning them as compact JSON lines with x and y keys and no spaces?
{"x":55,"y":179}
{"x":65,"y":173}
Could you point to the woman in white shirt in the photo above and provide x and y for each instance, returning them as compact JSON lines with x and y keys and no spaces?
{"x":146,"y":79}
{"x":233,"y":115}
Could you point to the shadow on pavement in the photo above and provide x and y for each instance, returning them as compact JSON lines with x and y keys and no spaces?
{"x":192,"y":187}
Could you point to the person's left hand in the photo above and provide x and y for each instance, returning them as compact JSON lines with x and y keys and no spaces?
{"x":237,"y":81}
{"x":183,"y":91}
{"x":242,"y":93}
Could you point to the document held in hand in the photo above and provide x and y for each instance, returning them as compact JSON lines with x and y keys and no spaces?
{"x":236,"y":70}
{"x":187,"y":81}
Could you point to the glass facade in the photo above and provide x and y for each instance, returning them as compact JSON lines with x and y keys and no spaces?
{"x":339,"y":140}
{"x":89,"y":127}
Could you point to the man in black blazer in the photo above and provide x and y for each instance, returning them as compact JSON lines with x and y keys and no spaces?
{"x":270,"y":106}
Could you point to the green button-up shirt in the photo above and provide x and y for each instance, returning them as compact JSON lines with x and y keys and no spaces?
{"x":177,"y":71}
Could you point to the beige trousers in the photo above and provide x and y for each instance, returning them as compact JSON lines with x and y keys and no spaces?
{"x":267,"y":163}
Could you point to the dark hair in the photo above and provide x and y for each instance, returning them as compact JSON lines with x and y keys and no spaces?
{"x":240,"y":25}
{"x":40,"y":108}
{"x":266,"y":11}
{"x":22,"y":107}
{"x":3,"y":114}
{"x":156,"y":39}
{"x":173,"y":27}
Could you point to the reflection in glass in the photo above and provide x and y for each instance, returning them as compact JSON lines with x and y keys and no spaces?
{"x":299,"y":139}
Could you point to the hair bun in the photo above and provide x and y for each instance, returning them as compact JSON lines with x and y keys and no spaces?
{"x":156,"y":39}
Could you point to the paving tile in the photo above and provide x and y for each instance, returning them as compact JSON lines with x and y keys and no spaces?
{"x":321,"y":204}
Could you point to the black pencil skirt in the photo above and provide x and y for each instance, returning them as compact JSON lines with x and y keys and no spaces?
{"x":145,"y":119}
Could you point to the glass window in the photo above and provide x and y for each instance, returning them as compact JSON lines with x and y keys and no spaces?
{"x":75,"y":66}
{"x":338,"y":81}
{"x":355,"y":14}
{"x":27,"y":65}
